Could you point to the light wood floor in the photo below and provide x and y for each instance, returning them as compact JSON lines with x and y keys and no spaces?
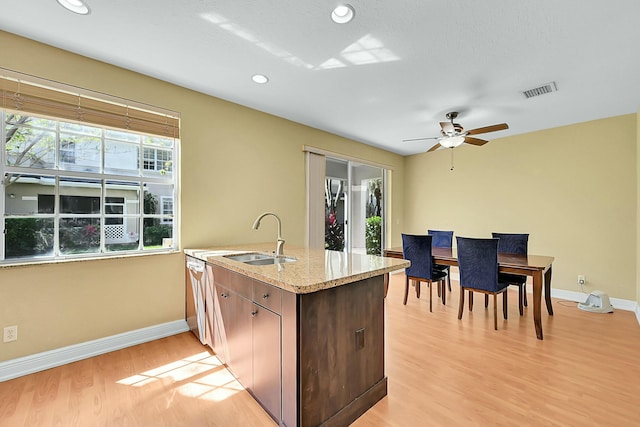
{"x":442,"y":372}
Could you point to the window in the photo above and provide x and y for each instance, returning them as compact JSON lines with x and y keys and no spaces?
{"x":156,"y":159}
{"x":167,"y":210}
{"x":68,"y":152}
{"x":73,"y":189}
{"x":83,"y":173}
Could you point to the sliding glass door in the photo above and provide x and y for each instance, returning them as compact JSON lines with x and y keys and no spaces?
{"x":354,"y":213}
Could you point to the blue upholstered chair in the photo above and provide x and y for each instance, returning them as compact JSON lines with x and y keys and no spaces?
{"x":511,"y":243}
{"x":442,"y":239}
{"x":478,"y":265}
{"x":417,"y":249}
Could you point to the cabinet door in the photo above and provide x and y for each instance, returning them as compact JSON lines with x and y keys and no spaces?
{"x":239,"y":339}
{"x":266,"y":360}
{"x":221,"y":321}
{"x":207,"y":279}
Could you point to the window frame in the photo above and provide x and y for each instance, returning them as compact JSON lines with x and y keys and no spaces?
{"x":168,"y":180}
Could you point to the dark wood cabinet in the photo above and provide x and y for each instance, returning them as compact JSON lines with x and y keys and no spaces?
{"x":218,"y":303}
{"x":309,"y":359}
{"x":247,"y":334}
{"x":239,"y":338}
{"x":232,"y":331}
{"x":209,"y":319}
{"x":267,"y":380}
{"x":340,"y":352}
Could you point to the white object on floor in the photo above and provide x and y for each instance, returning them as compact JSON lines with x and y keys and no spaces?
{"x":597,"y":302}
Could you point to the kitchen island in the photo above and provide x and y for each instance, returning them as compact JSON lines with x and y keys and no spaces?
{"x":305,"y":337}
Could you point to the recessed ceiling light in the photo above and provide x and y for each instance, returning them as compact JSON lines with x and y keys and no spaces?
{"x":260,"y":78}
{"x":75,"y":6}
{"x":343,"y":14}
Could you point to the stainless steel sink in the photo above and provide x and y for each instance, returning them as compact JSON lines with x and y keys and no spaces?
{"x":260,"y":259}
{"x":248,"y":257}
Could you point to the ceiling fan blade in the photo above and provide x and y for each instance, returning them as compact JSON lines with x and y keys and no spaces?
{"x":474,"y":141}
{"x":488,"y":129}
{"x":421,"y":139}
{"x":447,"y":127}
{"x":434,"y":148}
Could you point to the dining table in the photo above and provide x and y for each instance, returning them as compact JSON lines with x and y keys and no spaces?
{"x":536,"y":266}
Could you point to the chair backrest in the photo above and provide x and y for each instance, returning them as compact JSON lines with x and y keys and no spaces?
{"x":417,"y":249}
{"x":441,"y":238}
{"x":511,"y":243}
{"x":478,"y":263}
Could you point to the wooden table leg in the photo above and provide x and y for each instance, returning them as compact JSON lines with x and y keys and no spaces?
{"x":537,"y":302}
{"x":547,"y":290}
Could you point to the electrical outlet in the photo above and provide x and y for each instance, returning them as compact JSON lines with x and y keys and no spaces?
{"x":581,"y":280}
{"x":10,"y":333}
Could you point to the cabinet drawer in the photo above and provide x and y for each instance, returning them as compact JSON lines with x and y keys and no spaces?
{"x":242,"y":285}
{"x":267,"y":296}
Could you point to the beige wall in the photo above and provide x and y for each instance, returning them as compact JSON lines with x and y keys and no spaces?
{"x":235,"y":164}
{"x":638,"y":214}
{"x":574,"y":189}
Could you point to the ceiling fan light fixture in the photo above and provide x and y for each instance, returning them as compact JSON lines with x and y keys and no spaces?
{"x":452,"y":141}
{"x":75,"y":6}
{"x":343,"y":13}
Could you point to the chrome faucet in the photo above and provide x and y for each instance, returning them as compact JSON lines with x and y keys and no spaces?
{"x":280,"y":241}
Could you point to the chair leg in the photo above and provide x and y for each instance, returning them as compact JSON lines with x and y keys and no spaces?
{"x":461,"y":303}
{"x":444,"y":291}
{"x":449,"y":280}
{"x":520,"y":300}
{"x":430,"y":295}
{"x":524,"y":294}
{"x":495,"y":310}
{"x":504,"y":304}
{"x":418,"y":284}
{"x":486,"y":301}
{"x":406,"y":290}
{"x":470,"y":301}
{"x":439,"y":292}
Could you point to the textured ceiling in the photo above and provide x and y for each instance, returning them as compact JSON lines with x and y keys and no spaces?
{"x":391,"y":74}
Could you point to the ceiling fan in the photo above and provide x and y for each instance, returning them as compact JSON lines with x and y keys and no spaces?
{"x":453,"y":134}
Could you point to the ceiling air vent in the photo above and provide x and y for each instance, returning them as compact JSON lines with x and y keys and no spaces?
{"x":541,"y":90}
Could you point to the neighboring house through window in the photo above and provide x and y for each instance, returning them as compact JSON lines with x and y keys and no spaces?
{"x":156,"y":159}
{"x":167,"y":209}
{"x":68,"y":152}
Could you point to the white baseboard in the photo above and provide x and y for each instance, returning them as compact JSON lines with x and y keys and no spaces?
{"x":15,"y":368}
{"x":620,"y":304}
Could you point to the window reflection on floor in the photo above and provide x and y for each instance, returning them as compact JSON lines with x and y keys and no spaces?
{"x":201,"y":376}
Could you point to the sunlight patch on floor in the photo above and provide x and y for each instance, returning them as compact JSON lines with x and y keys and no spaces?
{"x":200,"y":375}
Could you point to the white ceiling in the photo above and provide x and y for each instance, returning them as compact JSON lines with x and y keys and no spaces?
{"x":390,"y":74}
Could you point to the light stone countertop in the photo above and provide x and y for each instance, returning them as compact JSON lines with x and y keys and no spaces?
{"x":313,"y":271}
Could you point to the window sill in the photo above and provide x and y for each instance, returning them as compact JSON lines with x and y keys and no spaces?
{"x":31,"y":263}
